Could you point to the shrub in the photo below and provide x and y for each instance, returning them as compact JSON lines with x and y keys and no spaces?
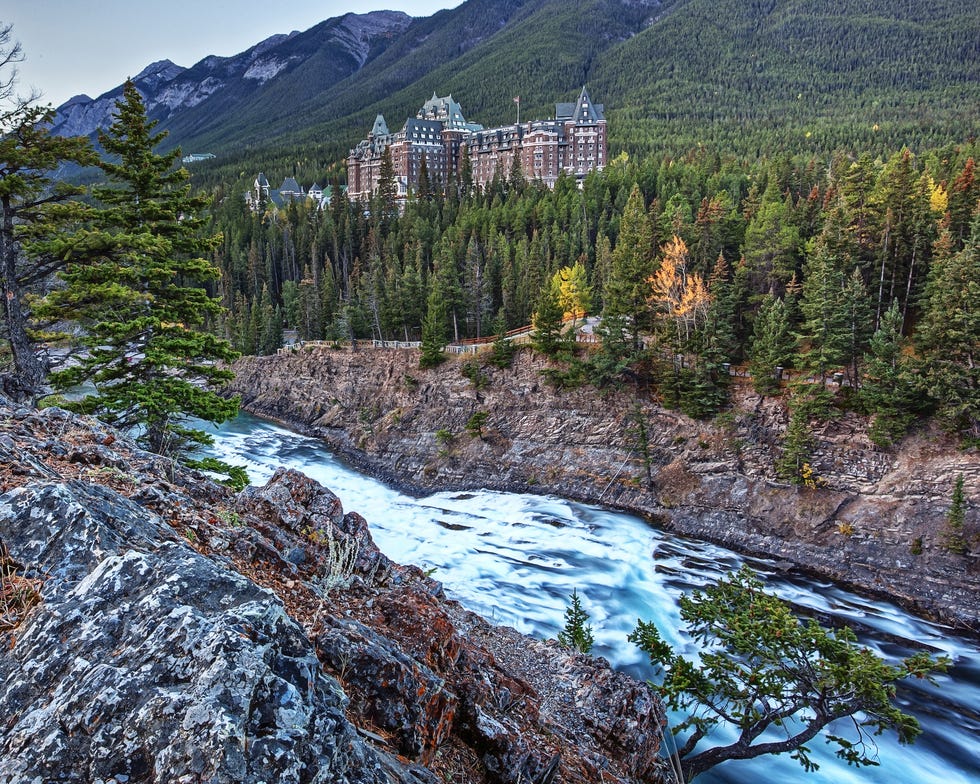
{"x":476,"y":424}
{"x":471,"y":370}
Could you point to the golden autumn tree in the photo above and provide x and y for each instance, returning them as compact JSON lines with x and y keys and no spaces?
{"x":676,"y":294}
{"x":574,"y":291}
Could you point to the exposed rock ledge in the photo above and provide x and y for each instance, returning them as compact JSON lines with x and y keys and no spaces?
{"x":876,"y":523}
{"x":172,"y":631}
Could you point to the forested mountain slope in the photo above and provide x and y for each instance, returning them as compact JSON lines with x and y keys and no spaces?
{"x":746,"y":77}
{"x":796,"y":74}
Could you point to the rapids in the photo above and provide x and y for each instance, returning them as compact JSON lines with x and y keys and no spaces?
{"x":516,"y":558}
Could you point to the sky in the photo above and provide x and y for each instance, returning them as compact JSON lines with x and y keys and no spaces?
{"x":92,"y":46}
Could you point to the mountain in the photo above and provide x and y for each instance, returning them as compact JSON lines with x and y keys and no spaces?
{"x":739,"y":75}
{"x":211,"y":92}
{"x":82,"y":116}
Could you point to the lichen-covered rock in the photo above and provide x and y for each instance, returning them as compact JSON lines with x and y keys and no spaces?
{"x":147,"y":660}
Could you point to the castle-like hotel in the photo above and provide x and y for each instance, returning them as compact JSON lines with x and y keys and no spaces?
{"x":573,"y":142}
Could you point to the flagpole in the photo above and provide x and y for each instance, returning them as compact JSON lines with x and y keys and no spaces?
{"x":517,"y":100}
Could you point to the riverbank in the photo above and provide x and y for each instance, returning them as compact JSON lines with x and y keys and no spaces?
{"x":875,"y":523}
{"x":156,"y":624}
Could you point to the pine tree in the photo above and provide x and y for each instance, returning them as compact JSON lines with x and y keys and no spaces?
{"x":547,"y":337}
{"x":953,"y":537}
{"x":433,"y":330}
{"x":769,"y":683}
{"x":888,"y":392}
{"x":142,"y":301}
{"x":576,"y":634}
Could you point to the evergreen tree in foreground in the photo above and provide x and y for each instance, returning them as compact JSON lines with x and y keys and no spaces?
{"x":141,"y":298}
{"x":761,"y":668}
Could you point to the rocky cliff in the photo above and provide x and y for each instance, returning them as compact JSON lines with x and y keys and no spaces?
{"x":157,"y":627}
{"x":876,"y":521}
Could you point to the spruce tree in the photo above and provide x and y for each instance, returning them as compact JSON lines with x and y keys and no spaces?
{"x":953,"y":536}
{"x":949,"y":334}
{"x":772,"y":243}
{"x":772,"y":345}
{"x":887,"y":392}
{"x":433,"y":329}
{"x":625,"y":313}
{"x":141,"y":300}
{"x":576,"y":634}
{"x":826,"y":325}
{"x":547,"y":336}
{"x":794,"y":463}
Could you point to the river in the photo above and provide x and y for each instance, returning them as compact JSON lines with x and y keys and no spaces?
{"x":516,"y":558}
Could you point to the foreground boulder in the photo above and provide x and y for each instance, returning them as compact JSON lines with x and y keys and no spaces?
{"x":171,"y":631}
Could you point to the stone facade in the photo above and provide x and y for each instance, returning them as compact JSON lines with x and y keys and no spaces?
{"x":574,"y":142}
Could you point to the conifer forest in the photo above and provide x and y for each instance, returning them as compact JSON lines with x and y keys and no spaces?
{"x":861,"y":273}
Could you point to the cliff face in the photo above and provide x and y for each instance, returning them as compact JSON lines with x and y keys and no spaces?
{"x":156,"y":627}
{"x":876,"y":521}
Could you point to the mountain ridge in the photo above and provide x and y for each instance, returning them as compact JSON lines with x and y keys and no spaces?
{"x":673,"y":74}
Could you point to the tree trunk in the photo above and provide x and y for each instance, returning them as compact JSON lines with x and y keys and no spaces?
{"x":29,"y":369}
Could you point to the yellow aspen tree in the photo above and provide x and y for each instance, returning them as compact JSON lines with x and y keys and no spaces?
{"x":675,"y":293}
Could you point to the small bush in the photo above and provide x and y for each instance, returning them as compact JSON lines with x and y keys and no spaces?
{"x":471,"y":370}
{"x":476,"y":424}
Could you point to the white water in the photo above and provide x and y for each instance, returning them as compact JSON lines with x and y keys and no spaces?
{"x":516,"y":558}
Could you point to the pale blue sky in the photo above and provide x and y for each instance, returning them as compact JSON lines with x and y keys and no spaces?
{"x":91,"y":46}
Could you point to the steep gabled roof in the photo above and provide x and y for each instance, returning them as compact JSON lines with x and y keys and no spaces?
{"x":583,"y":110}
{"x":380,"y":126}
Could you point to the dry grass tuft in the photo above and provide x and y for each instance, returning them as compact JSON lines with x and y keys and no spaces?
{"x":18,"y":594}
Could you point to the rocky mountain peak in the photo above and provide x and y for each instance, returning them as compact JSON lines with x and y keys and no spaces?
{"x":340,"y":46}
